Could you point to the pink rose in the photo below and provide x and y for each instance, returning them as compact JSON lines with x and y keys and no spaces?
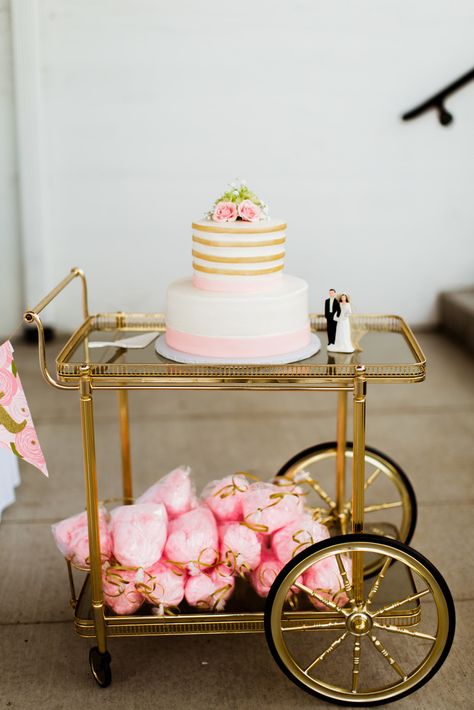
{"x":249,"y":211}
{"x":27,"y":445}
{"x":6,"y":354}
{"x":225,"y":212}
{"x":8,"y":386}
{"x":18,"y":407}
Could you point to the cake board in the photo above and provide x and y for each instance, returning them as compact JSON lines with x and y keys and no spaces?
{"x":163,"y":349}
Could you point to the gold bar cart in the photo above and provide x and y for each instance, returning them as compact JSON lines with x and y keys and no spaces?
{"x":390,"y":626}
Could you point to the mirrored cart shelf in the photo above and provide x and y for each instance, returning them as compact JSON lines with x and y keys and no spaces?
{"x":386,"y":347}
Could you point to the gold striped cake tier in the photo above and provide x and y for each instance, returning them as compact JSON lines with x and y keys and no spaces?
{"x":237,"y":255}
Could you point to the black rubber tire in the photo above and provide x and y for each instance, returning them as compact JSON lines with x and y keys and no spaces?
{"x":361,"y":537}
{"x":100,"y":667}
{"x":370,"y":449}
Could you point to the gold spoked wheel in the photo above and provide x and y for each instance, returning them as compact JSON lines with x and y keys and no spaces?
{"x":389,"y":496}
{"x":359,"y":642}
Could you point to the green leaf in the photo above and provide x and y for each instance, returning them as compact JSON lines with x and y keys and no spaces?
{"x":14,"y":449}
{"x":14,"y":370}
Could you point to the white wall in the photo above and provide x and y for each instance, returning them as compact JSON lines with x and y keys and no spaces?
{"x":150,"y":107}
{"x":10,"y":266}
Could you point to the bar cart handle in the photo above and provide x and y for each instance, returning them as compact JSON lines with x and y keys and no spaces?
{"x":31,"y":316}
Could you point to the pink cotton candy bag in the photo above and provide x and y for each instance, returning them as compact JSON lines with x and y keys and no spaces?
{"x":267,"y":507}
{"x":139,"y":533}
{"x":324,"y":578}
{"x":224,"y":497}
{"x":120,"y":592}
{"x":175,"y":491}
{"x":297,"y":536}
{"x":209,"y":590}
{"x":240,"y":548}
{"x":72,"y":538}
{"x":192,"y":543}
{"x":162,"y":587}
{"x":265,"y":574}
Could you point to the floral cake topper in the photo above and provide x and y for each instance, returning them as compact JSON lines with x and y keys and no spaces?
{"x":238,"y":204}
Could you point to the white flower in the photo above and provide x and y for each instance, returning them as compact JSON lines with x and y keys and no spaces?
{"x":237,"y":183}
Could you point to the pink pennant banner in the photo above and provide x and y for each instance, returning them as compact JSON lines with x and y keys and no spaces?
{"x":17,"y":432}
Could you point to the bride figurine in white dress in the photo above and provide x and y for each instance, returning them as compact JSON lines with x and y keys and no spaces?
{"x":343,"y":343}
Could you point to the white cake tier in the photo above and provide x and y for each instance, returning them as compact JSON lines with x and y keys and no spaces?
{"x":228,"y":324}
{"x":238,"y":256}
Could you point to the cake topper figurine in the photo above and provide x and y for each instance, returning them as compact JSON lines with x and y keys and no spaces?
{"x":332,"y":309}
{"x":341,"y":317}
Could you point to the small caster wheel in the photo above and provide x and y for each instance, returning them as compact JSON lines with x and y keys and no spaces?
{"x":100,"y":666}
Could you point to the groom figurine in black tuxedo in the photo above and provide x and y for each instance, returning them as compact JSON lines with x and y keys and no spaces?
{"x":331,"y":309}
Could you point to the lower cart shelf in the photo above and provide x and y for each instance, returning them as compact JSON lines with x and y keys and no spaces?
{"x":244,"y":613}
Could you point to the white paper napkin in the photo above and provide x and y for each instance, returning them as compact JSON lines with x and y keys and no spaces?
{"x":134,"y":341}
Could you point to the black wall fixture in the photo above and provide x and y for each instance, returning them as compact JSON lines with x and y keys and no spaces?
{"x":437,"y":101}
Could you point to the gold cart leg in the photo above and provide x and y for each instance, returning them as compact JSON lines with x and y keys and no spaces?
{"x":72,"y":588}
{"x":358,"y":476}
{"x":125,"y":446}
{"x":341,"y":452}
{"x":88,"y":444}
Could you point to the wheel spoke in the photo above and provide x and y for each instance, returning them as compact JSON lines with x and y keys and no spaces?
{"x":382,"y":506}
{"x":345,"y":579}
{"x":369,"y":481}
{"x":378,"y":580}
{"x":327,"y":602}
{"x":395,"y":605}
{"x":390,"y":660}
{"x":321,"y":492}
{"x":407,"y":632}
{"x":310,"y":627}
{"x":372,"y":478}
{"x":378,"y":531}
{"x":355,"y":665}
{"x":327,"y":652}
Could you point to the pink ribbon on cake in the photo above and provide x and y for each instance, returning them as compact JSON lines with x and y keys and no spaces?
{"x":236,"y":284}
{"x":260,"y":346}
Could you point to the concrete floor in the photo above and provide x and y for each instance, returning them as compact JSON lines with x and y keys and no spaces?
{"x":428,"y":428}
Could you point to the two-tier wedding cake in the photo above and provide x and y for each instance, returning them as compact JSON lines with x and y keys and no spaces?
{"x":238,"y":305}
